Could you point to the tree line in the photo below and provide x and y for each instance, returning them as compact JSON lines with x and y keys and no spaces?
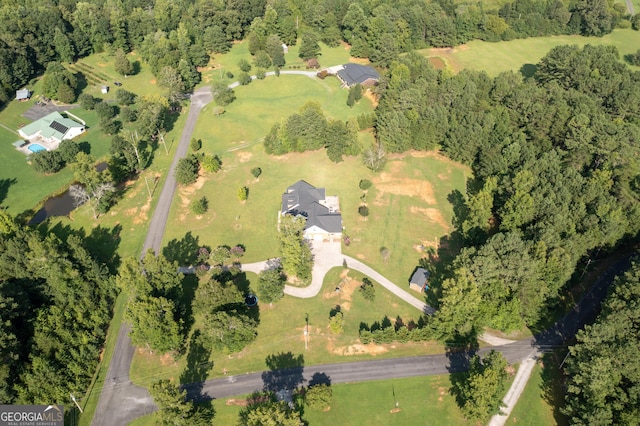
{"x":175,"y":37}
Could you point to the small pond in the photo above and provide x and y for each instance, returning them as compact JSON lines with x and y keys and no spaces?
{"x":60,"y":205}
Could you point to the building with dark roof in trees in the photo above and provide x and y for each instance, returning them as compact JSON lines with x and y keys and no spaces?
{"x":352,"y":74}
{"x":322,"y":212}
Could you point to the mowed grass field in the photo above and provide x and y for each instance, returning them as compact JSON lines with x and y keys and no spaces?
{"x":408,"y":201}
{"x":282,"y":326}
{"x":495,"y":58}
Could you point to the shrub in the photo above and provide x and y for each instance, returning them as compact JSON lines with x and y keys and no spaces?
{"x":244,"y":78}
{"x":187,"y":170}
{"x":318,"y":396}
{"x":65,"y":94}
{"x":222,"y":94}
{"x":211,"y":163}
{"x":633,"y":58}
{"x":125,"y":97}
{"x":365,"y":184}
{"x":128,"y":115}
{"x":195,"y":144}
{"x":244,"y":65}
{"x":262,"y":60}
{"x":256,"y":172}
{"x":243,"y":193}
{"x":47,"y":161}
{"x":364,"y":211}
{"x":261,"y":74}
{"x":365,"y":336}
{"x":200,"y":206}
{"x":105,"y":111}
{"x":68,"y":150}
{"x":87,"y":101}
{"x":229,"y":74}
{"x":366,"y":121}
{"x":110,"y":127}
{"x":367,"y":290}
{"x":336,"y":323}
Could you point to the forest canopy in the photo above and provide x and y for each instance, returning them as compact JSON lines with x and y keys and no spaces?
{"x":176,"y":36}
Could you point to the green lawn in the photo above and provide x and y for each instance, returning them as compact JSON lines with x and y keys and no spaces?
{"x":495,"y":58}
{"x":532,"y":407}
{"x":422,"y":401}
{"x":101,"y":66}
{"x":281,"y":330}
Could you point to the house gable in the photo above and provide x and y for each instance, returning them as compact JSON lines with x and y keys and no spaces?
{"x":352,"y":74}
{"x":306,"y":200}
{"x":52,"y":128}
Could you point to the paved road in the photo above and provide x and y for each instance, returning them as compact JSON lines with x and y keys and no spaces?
{"x":120,"y":400}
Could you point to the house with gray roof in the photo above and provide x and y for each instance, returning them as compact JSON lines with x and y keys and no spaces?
{"x":419,"y":280}
{"x":352,"y":74}
{"x":324,"y":221}
{"x":51,"y":130}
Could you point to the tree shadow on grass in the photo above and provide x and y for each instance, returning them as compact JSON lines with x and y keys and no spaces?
{"x":197,"y":369}
{"x":528,"y":70}
{"x":460,"y":352}
{"x":4,"y":187}
{"x":184,"y":251}
{"x":553,"y":386}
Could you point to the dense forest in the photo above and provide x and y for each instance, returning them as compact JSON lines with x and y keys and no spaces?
{"x":555,"y":169}
{"x":55,"y":307}
{"x":176,"y":36}
{"x":602,"y":367}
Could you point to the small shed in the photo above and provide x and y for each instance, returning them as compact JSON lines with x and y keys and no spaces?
{"x":19,"y":143}
{"x":105,"y":90}
{"x":285,"y":48}
{"x":419,"y":280}
{"x":23,"y":95}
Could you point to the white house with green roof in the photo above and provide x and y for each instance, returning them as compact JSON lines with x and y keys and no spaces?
{"x":51,"y":130}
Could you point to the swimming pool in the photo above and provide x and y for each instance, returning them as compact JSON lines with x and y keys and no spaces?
{"x":34,"y":147}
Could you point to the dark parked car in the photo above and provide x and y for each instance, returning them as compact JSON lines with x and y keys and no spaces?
{"x":117,"y":83}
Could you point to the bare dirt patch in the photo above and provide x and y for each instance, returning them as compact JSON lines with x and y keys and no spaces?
{"x":243,"y":157}
{"x":388,"y":183}
{"x":359,"y":349}
{"x":154,"y":81}
{"x":167,"y":359}
{"x":433,"y":215}
{"x":373,"y":98}
{"x":186,"y":193}
{"x":238,"y":402}
{"x":347,"y":286}
{"x":142,"y":216}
